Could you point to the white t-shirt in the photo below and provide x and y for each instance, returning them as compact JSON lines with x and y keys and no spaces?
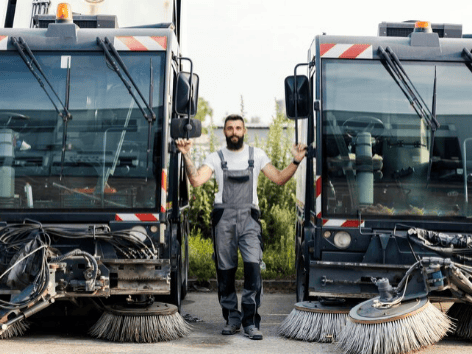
{"x":236,"y":161}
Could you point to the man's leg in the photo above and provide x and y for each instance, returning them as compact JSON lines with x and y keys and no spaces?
{"x":251,"y":251}
{"x":227,"y":264}
{"x":227,"y":297}
{"x":251,"y":298}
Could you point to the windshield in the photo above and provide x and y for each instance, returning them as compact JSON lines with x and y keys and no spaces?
{"x":376,"y":149}
{"x":105,"y":157}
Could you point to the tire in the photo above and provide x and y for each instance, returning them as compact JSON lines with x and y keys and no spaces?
{"x":301,"y":276}
{"x":175,"y":296}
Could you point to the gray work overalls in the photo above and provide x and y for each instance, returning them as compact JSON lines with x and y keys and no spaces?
{"x":235,"y":224}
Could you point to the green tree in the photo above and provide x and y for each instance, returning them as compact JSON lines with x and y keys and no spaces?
{"x":202,"y":198}
{"x":273,"y":199}
{"x":204,"y":110}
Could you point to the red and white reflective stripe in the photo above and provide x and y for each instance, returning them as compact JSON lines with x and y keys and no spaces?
{"x":137,"y":217}
{"x":3,"y":42}
{"x":140,"y":43}
{"x":163,"y":190}
{"x":318,"y":197}
{"x":343,"y":223}
{"x":346,"y":51}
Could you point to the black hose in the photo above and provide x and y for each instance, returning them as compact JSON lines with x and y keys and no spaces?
{"x":407,"y":274}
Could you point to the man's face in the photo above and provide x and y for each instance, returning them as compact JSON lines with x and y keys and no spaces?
{"x":234,"y":132}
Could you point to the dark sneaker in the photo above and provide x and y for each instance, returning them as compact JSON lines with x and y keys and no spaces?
{"x":230,"y":329}
{"x":252,"y":332}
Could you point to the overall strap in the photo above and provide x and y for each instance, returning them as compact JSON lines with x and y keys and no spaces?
{"x":251,"y":157}
{"x":224,"y":164}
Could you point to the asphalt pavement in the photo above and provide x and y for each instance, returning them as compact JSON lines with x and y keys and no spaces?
{"x":205,"y":336}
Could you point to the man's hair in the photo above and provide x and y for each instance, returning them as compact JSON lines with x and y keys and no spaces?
{"x":234,"y":117}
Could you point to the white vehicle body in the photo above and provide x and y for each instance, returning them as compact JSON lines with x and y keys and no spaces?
{"x":129,"y":13}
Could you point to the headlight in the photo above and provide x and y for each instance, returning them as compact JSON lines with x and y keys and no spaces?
{"x":139,"y":232}
{"x":342,"y":239}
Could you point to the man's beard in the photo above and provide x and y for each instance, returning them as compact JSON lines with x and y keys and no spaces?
{"x":234,"y":145}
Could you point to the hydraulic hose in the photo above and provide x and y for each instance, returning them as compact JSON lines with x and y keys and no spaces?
{"x":75,"y":253}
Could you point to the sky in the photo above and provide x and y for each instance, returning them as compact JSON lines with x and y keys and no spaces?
{"x":247,"y":47}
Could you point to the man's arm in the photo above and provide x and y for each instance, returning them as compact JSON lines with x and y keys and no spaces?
{"x":196,"y":177}
{"x":282,"y":177}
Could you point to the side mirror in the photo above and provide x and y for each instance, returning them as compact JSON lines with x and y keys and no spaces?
{"x":302,"y":91}
{"x":186,"y":95}
{"x":180,"y":127}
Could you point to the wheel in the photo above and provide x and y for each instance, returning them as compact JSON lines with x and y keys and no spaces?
{"x":175,"y":296}
{"x":302,"y":283}
{"x":362,"y":124}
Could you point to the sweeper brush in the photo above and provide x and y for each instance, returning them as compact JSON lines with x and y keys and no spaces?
{"x":16,"y":329}
{"x":462,"y":314}
{"x":404,"y":328}
{"x":156,"y":323}
{"x":313,"y":322}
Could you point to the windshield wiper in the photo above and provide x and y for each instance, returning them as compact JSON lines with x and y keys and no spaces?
{"x":433,"y":129}
{"x":111,"y":59}
{"x":66,"y":119}
{"x":398,"y":73}
{"x":31,"y":63}
{"x":468,"y":56}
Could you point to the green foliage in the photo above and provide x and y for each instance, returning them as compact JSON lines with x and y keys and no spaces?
{"x":279,"y":259}
{"x":279,"y":256}
{"x":203,"y":110}
{"x":201,"y":264}
{"x":201,"y":200}
{"x":277,"y":201}
{"x":213,"y":139}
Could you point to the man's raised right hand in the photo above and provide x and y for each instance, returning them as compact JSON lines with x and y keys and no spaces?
{"x":184,"y":145}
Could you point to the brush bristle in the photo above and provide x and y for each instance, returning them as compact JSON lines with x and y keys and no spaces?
{"x":396,"y":337}
{"x":140,"y":329}
{"x":462,"y":313}
{"x":15,"y":330}
{"x":312,"y":326}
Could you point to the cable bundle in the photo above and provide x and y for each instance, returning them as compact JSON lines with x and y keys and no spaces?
{"x":26,"y":251}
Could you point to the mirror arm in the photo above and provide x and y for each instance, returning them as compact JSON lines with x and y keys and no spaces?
{"x":295,"y":97}
{"x":311,"y":152}
{"x":188,"y":127}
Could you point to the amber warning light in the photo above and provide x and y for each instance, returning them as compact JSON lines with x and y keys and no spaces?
{"x":64,"y":13}
{"x":423,"y":26}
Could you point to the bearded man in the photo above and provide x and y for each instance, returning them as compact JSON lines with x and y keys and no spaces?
{"x":235,"y":219}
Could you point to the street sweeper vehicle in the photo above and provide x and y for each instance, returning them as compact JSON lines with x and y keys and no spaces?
{"x":93,"y":194}
{"x":384,"y":200}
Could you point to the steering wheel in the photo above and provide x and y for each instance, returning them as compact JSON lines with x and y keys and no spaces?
{"x":11,"y":116}
{"x":362,"y":124}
